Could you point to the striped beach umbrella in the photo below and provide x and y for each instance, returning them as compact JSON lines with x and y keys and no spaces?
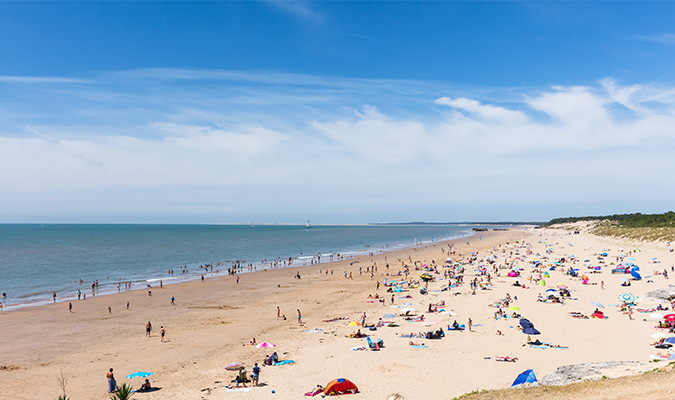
{"x":627,"y":297}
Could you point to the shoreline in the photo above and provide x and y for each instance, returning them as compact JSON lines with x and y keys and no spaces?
{"x":109,"y":287}
{"x":211,"y":322}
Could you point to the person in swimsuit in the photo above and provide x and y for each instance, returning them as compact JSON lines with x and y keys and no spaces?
{"x":162,"y":332}
{"x":148,"y":329}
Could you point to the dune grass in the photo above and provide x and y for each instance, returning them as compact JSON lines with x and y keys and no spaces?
{"x":653,"y":385}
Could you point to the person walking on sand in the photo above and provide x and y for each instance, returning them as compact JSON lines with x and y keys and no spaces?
{"x":148,"y":329}
{"x":278,"y":312}
{"x":469,"y":324}
{"x":299,"y":317}
{"x":162,"y":332}
{"x":70,"y":307}
{"x":173,"y":301}
{"x":54,"y":297}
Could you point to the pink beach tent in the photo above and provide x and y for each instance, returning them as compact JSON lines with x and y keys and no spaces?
{"x":265,"y":344}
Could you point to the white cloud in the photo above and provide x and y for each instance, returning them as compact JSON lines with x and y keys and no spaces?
{"x":483,"y":111}
{"x":195,"y":149}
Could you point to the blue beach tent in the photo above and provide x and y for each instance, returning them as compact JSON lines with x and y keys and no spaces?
{"x":525,"y":377}
{"x":634,"y":272}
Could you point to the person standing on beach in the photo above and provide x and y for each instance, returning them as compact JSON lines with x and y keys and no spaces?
{"x":255,"y":376}
{"x":162,"y":332}
{"x":299,"y":317}
{"x":173,"y":299}
{"x":278,"y":312}
{"x":148,"y":329}
{"x":469,"y":324}
{"x":54,"y":297}
{"x":112,"y":385}
{"x":70,"y":307}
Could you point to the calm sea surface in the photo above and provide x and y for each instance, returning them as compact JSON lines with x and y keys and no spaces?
{"x":36,"y":260}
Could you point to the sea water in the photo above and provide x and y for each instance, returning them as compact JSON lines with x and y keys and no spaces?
{"x":36,"y":260}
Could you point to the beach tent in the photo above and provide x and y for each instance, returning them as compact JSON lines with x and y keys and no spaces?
{"x":541,"y":283}
{"x":634,"y":272}
{"x":340,"y":386}
{"x":525,"y":377}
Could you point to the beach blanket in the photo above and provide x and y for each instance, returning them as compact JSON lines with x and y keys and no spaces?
{"x":247,"y":389}
{"x":419,"y":346}
{"x":358,"y":348}
{"x":315,"y":330}
{"x":284,"y":362}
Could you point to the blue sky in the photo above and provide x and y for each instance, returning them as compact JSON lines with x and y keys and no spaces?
{"x":336,"y":111}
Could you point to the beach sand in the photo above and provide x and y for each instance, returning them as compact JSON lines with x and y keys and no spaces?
{"x":211,"y":321}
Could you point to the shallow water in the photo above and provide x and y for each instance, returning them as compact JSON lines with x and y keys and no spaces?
{"x":36,"y":260}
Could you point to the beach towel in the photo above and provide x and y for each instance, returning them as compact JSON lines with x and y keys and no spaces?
{"x":284,"y":362}
{"x":358,"y":348}
{"x":246,"y":389}
{"x":315,"y":392}
{"x":419,"y":346}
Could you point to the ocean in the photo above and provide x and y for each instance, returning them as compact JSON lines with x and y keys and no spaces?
{"x":36,"y":260}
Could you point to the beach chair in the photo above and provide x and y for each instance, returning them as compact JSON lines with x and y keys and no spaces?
{"x":373,"y":346}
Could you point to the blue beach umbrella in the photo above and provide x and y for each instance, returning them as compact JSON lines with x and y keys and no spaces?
{"x":139,"y":375}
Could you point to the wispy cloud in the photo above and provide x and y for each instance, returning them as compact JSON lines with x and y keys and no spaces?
{"x":197,"y":142}
{"x":299,"y":9}
{"x":661,"y":38}
{"x":39,"y":79}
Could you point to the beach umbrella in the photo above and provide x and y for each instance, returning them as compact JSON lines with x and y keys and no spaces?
{"x":234,"y":367}
{"x":139,"y":375}
{"x":265,"y":344}
{"x":389,"y":315}
{"x":627,"y":297}
{"x":599,"y":305}
{"x":561,"y":286}
{"x":669,"y":317}
{"x":670,"y":340}
{"x":354,"y":323}
{"x":659,"y":335}
{"x":407,"y":310}
{"x":531,"y":331}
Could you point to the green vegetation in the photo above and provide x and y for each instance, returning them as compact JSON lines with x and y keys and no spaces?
{"x":123,"y":392}
{"x":638,"y":227}
{"x":636,"y":220}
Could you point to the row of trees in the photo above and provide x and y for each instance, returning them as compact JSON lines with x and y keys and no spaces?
{"x":636,"y":220}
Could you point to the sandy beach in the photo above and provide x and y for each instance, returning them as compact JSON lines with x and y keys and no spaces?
{"x":211,"y":321}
